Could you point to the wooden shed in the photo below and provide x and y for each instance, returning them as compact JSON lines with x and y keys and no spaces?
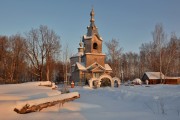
{"x":172,"y":80}
{"x":152,"y":77}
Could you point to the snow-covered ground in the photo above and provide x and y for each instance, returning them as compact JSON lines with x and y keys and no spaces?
{"x":157,"y":102}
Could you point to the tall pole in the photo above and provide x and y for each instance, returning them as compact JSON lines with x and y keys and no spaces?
{"x":122,"y":77}
{"x":66,"y":64}
{"x":65,"y":75}
{"x":160,"y":61}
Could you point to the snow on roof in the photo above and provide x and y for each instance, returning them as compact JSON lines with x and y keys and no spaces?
{"x":100,"y":54}
{"x":154,"y":75}
{"x":78,"y":54}
{"x":172,"y":77}
{"x":107,"y":67}
{"x":95,"y":64}
{"x":73,"y":65}
{"x":87,"y":37}
{"x":80,"y":66}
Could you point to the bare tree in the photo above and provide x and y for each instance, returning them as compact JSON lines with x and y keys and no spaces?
{"x":161,"y":55}
{"x":158,"y":39}
{"x":52,"y":48}
{"x":171,"y":52}
{"x":114,"y":56}
{"x":148,"y":58}
{"x":42,"y":45}
{"x":16,"y":57}
{"x":12,"y":59}
{"x":35,"y":52}
{"x":131,"y":65}
{"x":4,"y":45}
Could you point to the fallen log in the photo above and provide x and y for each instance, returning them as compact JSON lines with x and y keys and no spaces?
{"x":39,"y":104}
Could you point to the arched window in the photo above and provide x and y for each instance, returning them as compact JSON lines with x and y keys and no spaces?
{"x":95,"y":46}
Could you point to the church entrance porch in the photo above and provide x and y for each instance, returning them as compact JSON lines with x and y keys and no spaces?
{"x":103,"y":81}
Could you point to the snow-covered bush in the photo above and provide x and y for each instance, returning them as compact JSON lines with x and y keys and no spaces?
{"x":137,"y":81}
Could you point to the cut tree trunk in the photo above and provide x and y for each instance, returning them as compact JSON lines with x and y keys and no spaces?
{"x":28,"y":108}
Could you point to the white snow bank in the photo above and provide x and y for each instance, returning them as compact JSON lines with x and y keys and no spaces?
{"x":45,"y":83}
{"x":48,"y":83}
{"x":21,"y":104}
{"x":87,"y":87}
{"x":124,"y":103}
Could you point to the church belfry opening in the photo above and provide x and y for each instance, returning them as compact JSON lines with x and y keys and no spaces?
{"x":95,"y":46}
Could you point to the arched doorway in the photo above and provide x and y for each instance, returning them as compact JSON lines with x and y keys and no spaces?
{"x":93,"y":82}
{"x":116,"y":84}
{"x":105,"y":82}
{"x":117,"y":81}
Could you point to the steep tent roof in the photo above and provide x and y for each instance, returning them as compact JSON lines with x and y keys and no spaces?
{"x":92,"y":29}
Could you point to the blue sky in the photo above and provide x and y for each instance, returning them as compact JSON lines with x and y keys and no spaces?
{"x":129,"y":21}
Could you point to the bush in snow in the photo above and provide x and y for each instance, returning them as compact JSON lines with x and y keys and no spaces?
{"x":137,"y":81}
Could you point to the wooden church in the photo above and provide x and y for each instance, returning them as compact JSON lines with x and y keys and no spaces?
{"x":88,"y":65}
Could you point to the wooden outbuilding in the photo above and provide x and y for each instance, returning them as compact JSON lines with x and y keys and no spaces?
{"x":158,"y":78}
{"x":172,"y":80}
{"x":153,"y":77}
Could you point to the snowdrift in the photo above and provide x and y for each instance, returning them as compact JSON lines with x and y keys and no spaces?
{"x":48,"y":84}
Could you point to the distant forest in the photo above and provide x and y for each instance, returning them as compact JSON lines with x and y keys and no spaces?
{"x":35,"y":56}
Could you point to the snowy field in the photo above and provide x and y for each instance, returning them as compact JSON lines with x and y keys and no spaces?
{"x":157,"y":102}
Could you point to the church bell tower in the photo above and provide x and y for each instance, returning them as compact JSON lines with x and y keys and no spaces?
{"x":93,"y":44}
{"x":89,"y":63}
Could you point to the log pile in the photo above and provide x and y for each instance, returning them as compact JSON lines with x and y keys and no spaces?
{"x":34,"y":108}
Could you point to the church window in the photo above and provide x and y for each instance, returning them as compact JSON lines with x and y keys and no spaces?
{"x":96,"y":75}
{"x":95,"y":46}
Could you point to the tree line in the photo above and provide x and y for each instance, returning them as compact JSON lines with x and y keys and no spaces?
{"x":32,"y":57}
{"x":159,"y":55}
{"x":35,"y":56}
